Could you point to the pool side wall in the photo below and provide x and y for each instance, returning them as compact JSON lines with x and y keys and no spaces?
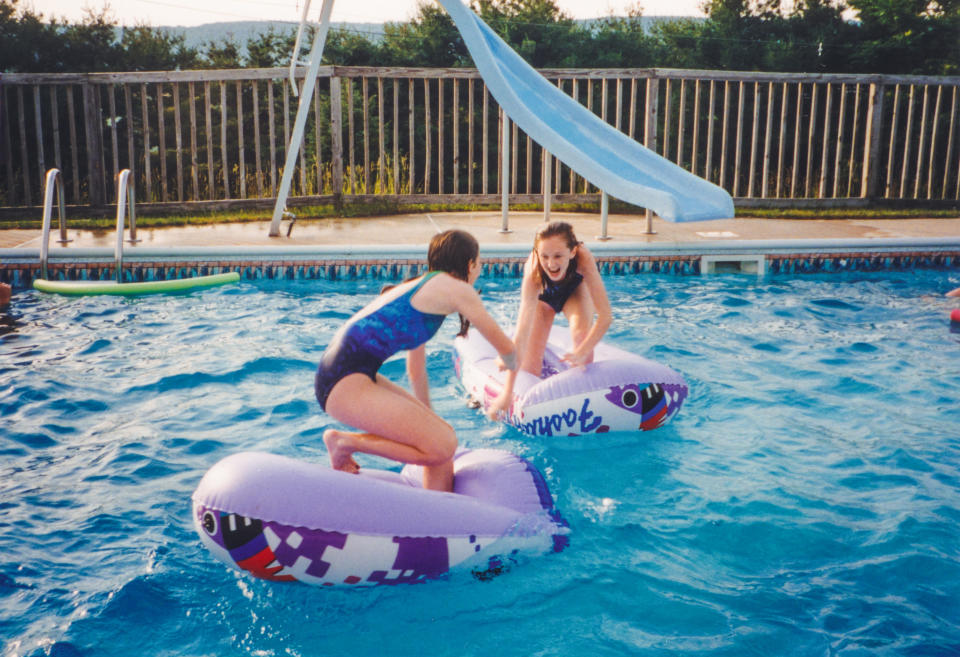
{"x":20,"y":266}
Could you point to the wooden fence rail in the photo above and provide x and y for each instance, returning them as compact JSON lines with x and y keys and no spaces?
{"x":435,"y":134}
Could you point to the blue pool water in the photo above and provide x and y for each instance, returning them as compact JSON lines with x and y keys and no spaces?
{"x":806,"y":501}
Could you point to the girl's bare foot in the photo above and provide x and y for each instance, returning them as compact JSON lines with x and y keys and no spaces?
{"x":341,"y":456}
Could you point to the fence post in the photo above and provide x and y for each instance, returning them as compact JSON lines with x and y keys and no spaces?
{"x":336,"y":138}
{"x":871,"y":149}
{"x":91,"y":126}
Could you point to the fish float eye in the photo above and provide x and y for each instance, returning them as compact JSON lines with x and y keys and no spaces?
{"x":210,"y":522}
{"x":629,"y":398}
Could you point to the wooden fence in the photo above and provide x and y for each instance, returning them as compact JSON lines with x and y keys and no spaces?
{"x":433,"y":135}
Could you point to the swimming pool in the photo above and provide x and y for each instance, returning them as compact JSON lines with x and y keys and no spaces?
{"x":805,"y":501}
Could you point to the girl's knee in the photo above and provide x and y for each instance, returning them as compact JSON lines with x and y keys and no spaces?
{"x":442,"y":448}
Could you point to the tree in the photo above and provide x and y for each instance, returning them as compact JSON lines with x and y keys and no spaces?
{"x":222,"y":54}
{"x":908,"y":36}
{"x":678,"y":43}
{"x":863,"y":36}
{"x":812,"y":36}
{"x":144,"y":48}
{"x":18,"y":27}
{"x":348,"y":48}
{"x":90,"y":45}
{"x":616,"y":41}
{"x":537,"y":29}
{"x":430,"y":39}
{"x":30,"y":44}
{"x":818,"y":38}
{"x":269,"y":49}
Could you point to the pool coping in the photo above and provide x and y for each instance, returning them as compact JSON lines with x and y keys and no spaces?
{"x":600,"y":248}
{"x":21,"y":265}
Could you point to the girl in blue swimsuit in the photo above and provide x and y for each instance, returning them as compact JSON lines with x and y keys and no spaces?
{"x":392,"y":422}
{"x":560,"y":275}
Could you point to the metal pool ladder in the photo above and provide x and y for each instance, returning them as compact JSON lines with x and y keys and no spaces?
{"x":52,"y":185}
{"x":125,"y":199}
{"x":125,"y":203}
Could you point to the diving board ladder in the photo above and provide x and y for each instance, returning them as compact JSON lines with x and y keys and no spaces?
{"x":320,"y":30}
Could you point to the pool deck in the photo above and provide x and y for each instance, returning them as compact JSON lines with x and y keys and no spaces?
{"x":416,"y":229}
{"x":396,"y":246}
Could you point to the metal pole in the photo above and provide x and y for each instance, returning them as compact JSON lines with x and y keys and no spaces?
{"x":547,"y":185}
{"x":303,"y":109}
{"x":505,"y":174}
{"x":604,"y":213}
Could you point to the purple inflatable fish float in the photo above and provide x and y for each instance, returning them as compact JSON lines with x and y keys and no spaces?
{"x":618,"y":391}
{"x":287,"y":520}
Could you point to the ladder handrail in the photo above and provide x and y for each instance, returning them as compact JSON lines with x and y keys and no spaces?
{"x":126,"y":193}
{"x":53,"y":183}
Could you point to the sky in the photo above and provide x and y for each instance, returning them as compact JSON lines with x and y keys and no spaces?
{"x":191,"y":12}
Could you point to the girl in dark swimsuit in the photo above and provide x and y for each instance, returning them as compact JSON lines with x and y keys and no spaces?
{"x":394,"y":423}
{"x":560,"y":275}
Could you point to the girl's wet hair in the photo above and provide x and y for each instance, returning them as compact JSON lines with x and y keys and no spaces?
{"x":452,"y":251}
{"x":561,"y":228}
{"x":555,"y":229}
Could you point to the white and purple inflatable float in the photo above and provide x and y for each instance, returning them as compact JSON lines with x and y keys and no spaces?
{"x":619,"y":391}
{"x":287,"y":520}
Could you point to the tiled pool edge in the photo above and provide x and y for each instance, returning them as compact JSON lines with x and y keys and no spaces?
{"x":21,"y":266}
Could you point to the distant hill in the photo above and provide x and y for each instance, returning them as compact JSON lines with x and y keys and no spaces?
{"x":240,"y":32}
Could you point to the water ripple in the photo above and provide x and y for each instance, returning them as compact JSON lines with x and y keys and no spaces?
{"x":804,"y":502}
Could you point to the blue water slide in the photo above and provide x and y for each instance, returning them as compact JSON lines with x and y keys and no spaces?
{"x":606,"y":157}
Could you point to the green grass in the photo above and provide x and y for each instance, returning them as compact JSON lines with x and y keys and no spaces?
{"x":387,"y":207}
{"x":850,"y":213}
